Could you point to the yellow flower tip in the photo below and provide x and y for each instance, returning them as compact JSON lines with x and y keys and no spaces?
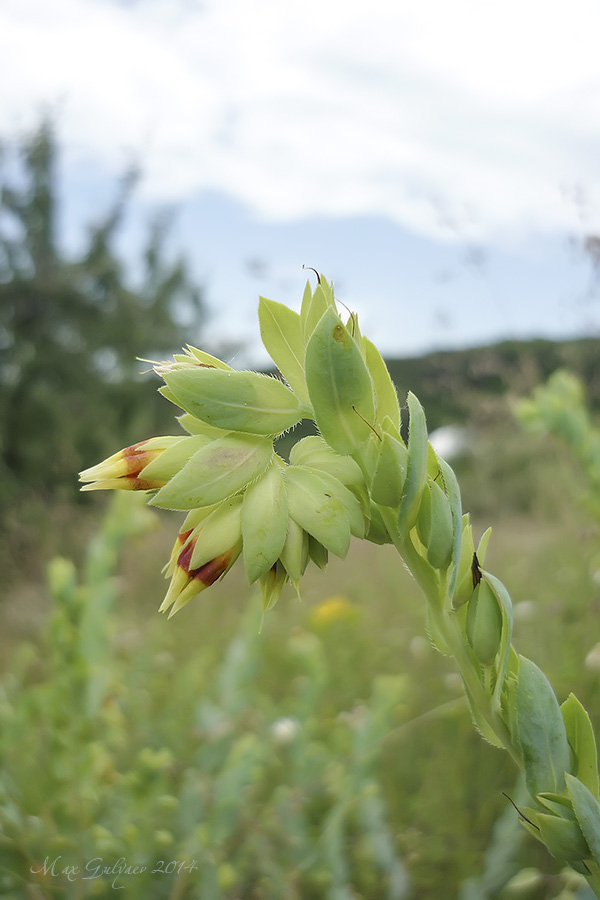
{"x":109,"y":484}
{"x":122,"y":470}
{"x":186,"y":582}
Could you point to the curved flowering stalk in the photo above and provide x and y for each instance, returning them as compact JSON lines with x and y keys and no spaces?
{"x":359,"y":478}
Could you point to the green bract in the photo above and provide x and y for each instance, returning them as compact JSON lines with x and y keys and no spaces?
{"x":313,"y":505}
{"x":236,"y":401}
{"x":264,"y":522}
{"x":281,"y":333}
{"x":541,"y":731}
{"x":216,"y":471}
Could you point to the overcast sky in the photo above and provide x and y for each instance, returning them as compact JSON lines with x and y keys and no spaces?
{"x":440,"y":160}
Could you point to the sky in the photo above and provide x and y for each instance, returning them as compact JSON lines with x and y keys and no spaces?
{"x":440,"y":161}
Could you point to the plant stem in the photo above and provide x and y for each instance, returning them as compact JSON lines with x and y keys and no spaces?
{"x":469,"y":669}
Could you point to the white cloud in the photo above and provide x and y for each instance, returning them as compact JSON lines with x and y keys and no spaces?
{"x":470,"y":116}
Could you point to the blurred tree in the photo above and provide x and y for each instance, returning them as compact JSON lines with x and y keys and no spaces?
{"x":71,"y":329}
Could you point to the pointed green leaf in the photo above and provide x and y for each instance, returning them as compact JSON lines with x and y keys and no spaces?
{"x":385,"y":391}
{"x":216,"y":471}
{"x":196,"y":426}
{"x":235,"y":401}
{"x":281,"y":332}
{"x":580,"y":733}
{"x":339,"y":385}
{"x":587,"y":810}
{"x":558,"y":804}
{"x":264,"y":522}
{"x":541,"y":730}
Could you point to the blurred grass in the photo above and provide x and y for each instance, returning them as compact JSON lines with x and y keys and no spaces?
{"x":186,"y":701}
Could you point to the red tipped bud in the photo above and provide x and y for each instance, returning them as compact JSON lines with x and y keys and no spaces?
{"x":125,"y":470}
{"x":187,"y":582}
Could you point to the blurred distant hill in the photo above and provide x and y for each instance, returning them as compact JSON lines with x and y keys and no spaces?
{"x":463,"y":385}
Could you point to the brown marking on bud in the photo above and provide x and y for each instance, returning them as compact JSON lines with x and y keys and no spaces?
{"x":184,"y":535}
{"x":137,"y":458}
{"x":135,"y":483}
{"x":212,"y":570}
{"x":185,"y":557}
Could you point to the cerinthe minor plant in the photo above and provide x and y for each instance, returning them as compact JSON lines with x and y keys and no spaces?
{"x":357,"y":478}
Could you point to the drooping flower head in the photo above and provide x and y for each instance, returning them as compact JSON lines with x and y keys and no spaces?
{"x":240,"y":496}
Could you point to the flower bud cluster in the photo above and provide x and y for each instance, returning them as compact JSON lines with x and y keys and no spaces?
{"x":241,"y":497}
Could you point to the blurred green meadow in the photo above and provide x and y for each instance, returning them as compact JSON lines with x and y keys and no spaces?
{"x":323,"y":751}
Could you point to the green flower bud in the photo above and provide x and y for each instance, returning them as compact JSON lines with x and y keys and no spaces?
{"x":294,"y":555}
{"x":339,"y":385}
{"x":218,"y":532}
{"x":216,"y":471}
{"x":390,"y":472}
{"x":484,"y":623}
{"x":377,"y":533}
{"x":271,"y":584}
{"x":434,"y":525}
{"x":315,"y":305}
{"x":314,"y":506}
{"x":563,"y":837}
{"x":264,"y":522}
{"x":317,"y":552}
{"x":237,"y":401}
{"x":416,"y":469}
